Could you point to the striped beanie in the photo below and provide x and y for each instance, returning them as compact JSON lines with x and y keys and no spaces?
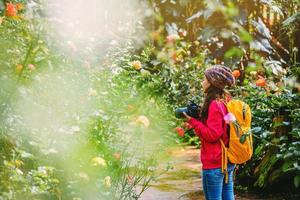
{"x":219,"y":76}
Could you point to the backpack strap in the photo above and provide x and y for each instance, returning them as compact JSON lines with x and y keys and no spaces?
{"x":224,"y":160}
{"x":224,"y":151}
{"x":221,"y":109}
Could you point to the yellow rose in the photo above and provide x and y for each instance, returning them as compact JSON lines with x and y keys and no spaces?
{"x":18,"y":163}
{"x":19,"y":68}
{"x":107,"y":181}
{"x":97,"y":161}
{"x":253,"y":73}
{"x":19,"y":6}
{"x":137,"y":64}
{"x":143,"y":120}
{"x":92,"y":92}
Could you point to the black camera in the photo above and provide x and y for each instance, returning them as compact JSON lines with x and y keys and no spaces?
{"x":192,"y":110}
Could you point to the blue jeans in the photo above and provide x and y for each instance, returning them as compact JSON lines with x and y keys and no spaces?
{"x":214,"y":185}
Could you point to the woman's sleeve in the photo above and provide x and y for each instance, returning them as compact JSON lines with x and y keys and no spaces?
{"x":213,"y":130}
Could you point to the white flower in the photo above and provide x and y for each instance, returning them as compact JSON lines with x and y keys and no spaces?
{"x":75,"y":128}
{"x":145,"y":72}
{"x":49,"y":151}
{"x":42,"y":170}
{"x":84,"y":176}
{"x":19,"y":172}
{"x":34,"y":190}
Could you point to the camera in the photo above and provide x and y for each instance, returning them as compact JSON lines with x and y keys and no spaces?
{"x":192,"y":110}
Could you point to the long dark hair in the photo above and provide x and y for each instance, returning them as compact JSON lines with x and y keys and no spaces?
{"x":212,"y":93}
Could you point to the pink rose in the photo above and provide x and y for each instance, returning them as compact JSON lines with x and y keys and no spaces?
{"x":229,"y":117}
{"x":172,"y":38}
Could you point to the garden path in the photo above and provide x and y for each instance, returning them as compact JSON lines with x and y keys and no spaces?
{"x":183,"y":182}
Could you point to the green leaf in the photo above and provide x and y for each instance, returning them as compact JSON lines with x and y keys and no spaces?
{"x":286,"y":123}
{"x":297,"y":181}
{"x":286,"y":166}
{"x":231,"y":10}
{"x":278,"y":155}
{"x":287,"y":155}
{"x":291,"y":20}
{"x":244,"y":35}
{"x":234,"y":52}
{"x":277,"y":124}
{"x":283,"y":138}
{"x":256,"y":129}
{"x":258,"y":149}
{"x":243,"y":138}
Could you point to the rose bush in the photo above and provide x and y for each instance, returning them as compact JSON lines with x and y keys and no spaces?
{"x":70,"y":128}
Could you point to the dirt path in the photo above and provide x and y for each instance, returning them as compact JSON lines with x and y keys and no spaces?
{"x":180,"y":181}
{"x":184,"y":181}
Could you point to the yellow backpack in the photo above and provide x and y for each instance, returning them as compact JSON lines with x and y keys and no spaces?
{"x":240,"y":147}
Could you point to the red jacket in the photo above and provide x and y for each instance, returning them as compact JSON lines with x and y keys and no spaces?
{"x":210,"y":133}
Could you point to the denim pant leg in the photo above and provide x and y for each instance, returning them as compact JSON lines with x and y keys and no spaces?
{"x":212,"y":183}
{"x":227,"y":193}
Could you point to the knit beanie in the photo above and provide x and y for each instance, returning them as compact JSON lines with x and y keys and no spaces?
{"x":219,"y":76}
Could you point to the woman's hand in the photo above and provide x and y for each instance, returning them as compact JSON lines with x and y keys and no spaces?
{"x":187,"y":116}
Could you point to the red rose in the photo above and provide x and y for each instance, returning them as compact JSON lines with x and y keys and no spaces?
{"x":261,"y":82}
{"x":236,"y":73}
{"x":11,"y":10}
{"x":180,"y":131}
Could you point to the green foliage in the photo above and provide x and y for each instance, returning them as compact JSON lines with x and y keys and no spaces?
{"x":240,"y":35}
{"x":107,"y":144}
{"x":276,"y":129}
{"x":67,"y":132}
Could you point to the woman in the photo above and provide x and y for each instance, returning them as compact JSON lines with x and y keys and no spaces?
{"x":211,"y":128}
